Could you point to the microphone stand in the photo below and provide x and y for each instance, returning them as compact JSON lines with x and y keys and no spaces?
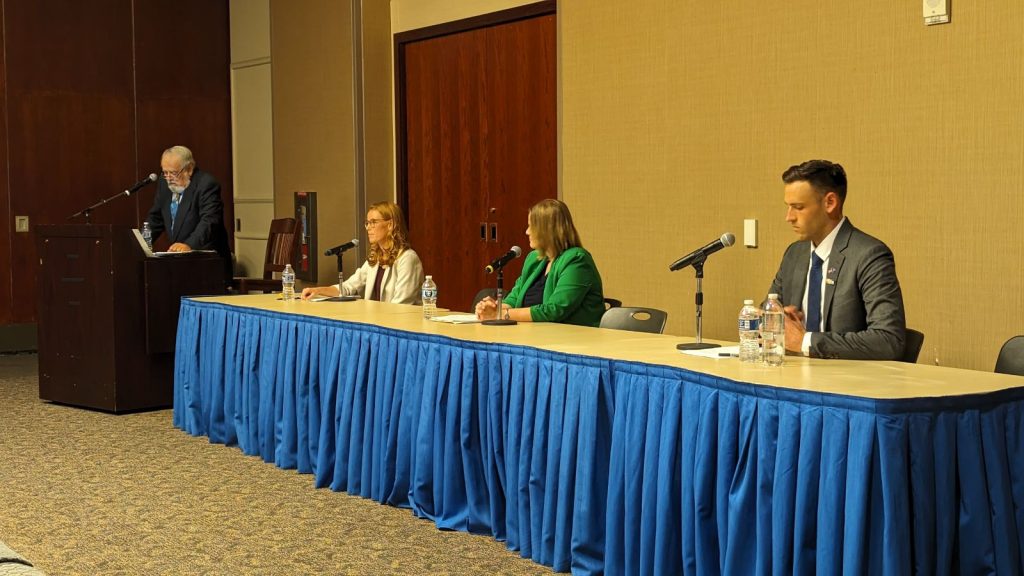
{"x":341,"y":278}
{"x":499,"y":321}
{"x":87,"y":211}
{"x":698,"y":266}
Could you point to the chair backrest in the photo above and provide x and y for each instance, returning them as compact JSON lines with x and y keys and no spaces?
{"x":635,"y":319}
{"x":1011,"y":357}
{"x":610,"y":303}
{"x":483,"y":293}
{"x":280,"y":246}
{"x":912,"y":346}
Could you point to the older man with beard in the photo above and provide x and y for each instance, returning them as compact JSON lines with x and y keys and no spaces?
{"x":188,"y":207}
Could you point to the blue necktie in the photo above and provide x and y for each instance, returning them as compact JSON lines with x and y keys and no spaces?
{"x":175,"y":198}
{"x":814,"y":295}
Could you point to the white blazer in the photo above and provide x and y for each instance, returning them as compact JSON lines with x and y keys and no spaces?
{"x":401,"y":283}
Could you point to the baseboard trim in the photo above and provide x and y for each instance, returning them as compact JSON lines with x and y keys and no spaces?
{"x":18,"y":338}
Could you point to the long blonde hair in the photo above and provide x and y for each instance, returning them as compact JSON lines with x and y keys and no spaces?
{"x":398,"y":234}
{"x":552,"y":227}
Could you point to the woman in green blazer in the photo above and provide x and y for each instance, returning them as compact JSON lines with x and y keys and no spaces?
{"x":560,"y":282}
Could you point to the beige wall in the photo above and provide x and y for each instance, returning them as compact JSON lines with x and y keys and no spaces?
{"x":378,"y":103}
{"x":252,"y":132}
{"x":412,"y":14}
{"x":314,"y":140}
{"x":679,"y":117}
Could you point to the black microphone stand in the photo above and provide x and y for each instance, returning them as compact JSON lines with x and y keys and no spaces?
{"x":88,"y":211}
{"x":499,"y":321}
{"x":698,"y":266}
{"x":341,"y":278}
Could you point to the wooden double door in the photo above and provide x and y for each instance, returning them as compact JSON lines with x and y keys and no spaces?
{"x":477,"y":116}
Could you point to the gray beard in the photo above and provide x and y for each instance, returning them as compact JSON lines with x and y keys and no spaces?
{"x":177,"y":189}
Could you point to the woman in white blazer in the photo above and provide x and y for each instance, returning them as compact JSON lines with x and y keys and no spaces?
{"x":392,"y":271}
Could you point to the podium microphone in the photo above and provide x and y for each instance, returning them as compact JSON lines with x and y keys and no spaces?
{"x":700,"y":254}
{"x":140,"y":185}
{"x":342,"y":247}
{"x":500,"y":261}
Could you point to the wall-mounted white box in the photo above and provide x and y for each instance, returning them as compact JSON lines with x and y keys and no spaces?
{"x":750,"y":233}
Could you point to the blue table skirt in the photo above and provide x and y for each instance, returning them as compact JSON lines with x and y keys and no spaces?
{"x":602,"y":466}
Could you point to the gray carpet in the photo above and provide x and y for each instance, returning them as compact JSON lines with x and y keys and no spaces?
{"x":84,"y":492}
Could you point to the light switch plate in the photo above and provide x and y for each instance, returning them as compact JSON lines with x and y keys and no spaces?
{"x":750,"y":233}
{"x":936,"y":12}
{"x":21,"y":223}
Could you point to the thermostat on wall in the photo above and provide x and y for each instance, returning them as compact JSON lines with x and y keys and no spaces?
{"x":936,"y":12}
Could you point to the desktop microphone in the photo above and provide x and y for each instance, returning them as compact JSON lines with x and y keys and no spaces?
{"x":500,"y":261}
{"x":700,"y":254}
{"x":342,"y":247}
{"x":140,"y":184}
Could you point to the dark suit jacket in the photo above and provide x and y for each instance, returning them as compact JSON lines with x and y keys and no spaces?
{"x":200,"y":221}
{"x":863,"y":308}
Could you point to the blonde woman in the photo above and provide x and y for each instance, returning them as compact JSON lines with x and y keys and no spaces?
{"x":560,"y":282}
{"x":392,"y":271}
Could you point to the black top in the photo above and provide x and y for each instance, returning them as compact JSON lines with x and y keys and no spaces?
{"x":534,"y":295}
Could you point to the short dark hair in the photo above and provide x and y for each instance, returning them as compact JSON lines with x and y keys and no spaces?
{"x":823,"y":175}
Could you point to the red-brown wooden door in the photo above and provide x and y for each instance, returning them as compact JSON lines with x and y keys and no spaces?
{"x":477,"y":144}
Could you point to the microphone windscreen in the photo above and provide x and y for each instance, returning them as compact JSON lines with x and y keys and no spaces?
{"x":152,"y":177}
{"x":517,"y":250}
{"x":728,"y":239}
{"x":355,"y":242}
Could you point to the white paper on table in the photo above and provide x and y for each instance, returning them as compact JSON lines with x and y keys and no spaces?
{"x":457,"y":319}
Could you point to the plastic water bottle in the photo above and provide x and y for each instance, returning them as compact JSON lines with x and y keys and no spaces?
{"x":773,"y":331}
{"x":147,"y":234}
{"x":287,"y":283}
{"x":750,"y":332}
{"x":429,"y":296}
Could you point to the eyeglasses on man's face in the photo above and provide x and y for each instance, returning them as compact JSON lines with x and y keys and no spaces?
{"x":169,"y":175}
{"x":373,"y":223}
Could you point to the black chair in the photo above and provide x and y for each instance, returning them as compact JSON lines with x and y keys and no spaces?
{"x":610,"y":303}
{"x":912,"y":346}
{"x":635,"y":319}
{"x":492,"y":292}
{"x":1011,"y":357}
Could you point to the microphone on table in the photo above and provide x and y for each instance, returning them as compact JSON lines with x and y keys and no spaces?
{"x":700,"y":254}
{"x":140,"y":185}
{"x":342,"y":247}
{"x":500,"y":261}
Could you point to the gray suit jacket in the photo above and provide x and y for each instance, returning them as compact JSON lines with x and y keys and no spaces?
{"x":863,"y":308}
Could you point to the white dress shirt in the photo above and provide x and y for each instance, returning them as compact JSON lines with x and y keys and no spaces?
{"x":823,"y":250}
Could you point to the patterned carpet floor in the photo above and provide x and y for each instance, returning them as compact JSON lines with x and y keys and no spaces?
{"x":85,"y":492}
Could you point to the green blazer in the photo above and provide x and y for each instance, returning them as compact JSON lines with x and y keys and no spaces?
{"x":572,"y":291}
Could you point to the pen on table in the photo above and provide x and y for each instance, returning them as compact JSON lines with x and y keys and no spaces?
{"x":728,"y":355}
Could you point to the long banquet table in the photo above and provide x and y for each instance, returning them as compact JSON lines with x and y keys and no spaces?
{"x":600,"y":451}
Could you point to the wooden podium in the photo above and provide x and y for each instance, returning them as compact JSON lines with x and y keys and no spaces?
{"x":108,"y":315}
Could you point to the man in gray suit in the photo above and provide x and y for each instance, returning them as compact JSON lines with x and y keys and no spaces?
{"x":838,"y":284}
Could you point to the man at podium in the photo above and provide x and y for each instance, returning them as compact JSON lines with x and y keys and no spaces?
{"x":188,"y":207}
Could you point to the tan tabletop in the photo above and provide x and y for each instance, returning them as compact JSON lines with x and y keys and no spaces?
{"x":876,"y":380}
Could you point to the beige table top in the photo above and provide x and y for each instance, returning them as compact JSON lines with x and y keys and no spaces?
{"x":876,"y":380}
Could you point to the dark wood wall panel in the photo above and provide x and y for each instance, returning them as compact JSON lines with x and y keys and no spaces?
{"x":183,"y":79}
{"x":6,"y":219}
{"x":94,"y":91}
{"x":71,"y":121}
{"x":478,"y":130}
